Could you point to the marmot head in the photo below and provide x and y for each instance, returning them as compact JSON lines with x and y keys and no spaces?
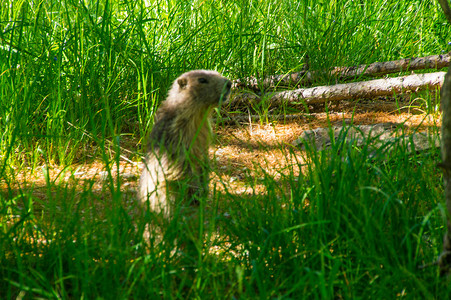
{"x":202,"y":87}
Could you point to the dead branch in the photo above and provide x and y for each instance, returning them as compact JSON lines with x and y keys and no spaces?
{"x":348,"y":91}
{"x":348,"y":73}
{"x":445,"y":258}
{"x":249,"y":119}
{"x":376,"y":136}
{"x":230,"y":118}
{"x":446,"y":10}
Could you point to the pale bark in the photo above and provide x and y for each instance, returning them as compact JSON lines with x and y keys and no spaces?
{"x":444,"y":260}
{"x":347,"y":73}
{"x":230,"y":118}
{"x":381,"y":138}
{"x":348,"y":91}
{"x":445,"y":257}
{"x":249,"y":119}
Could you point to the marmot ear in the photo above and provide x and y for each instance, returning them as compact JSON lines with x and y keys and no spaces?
{"x":182,"y":82}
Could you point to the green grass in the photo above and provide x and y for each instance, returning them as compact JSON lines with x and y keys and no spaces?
{"x":77,"y":78}
{"x":103,"y":66}
{"x":350,"y":227}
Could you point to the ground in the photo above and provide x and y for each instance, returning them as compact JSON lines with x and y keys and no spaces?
{"x":241,"y":150}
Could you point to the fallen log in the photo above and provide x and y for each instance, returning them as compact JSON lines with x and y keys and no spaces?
{"x":379,"y":137}
{"x":230,"y":118}
{"x":348,"y":73}
{"x":347,"y":91}
{"x":249,"y":119}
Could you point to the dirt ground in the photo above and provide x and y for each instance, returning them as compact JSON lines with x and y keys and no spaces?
{"x":241,"y":150}
{"x":248,"y":148}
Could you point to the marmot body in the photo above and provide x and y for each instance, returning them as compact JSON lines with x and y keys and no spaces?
{"x":177,"y":150}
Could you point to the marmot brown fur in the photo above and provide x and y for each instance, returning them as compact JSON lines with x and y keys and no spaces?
{"x":177,"y":150}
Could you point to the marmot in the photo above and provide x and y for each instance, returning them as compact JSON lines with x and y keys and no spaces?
{"x":177,"y":150}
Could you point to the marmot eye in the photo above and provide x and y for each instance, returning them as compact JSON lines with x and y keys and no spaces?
{"x":203,"y":80}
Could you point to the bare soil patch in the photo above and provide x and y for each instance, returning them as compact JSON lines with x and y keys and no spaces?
{"x":242,"y":152}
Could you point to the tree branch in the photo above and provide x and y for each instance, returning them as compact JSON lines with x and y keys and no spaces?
{"x":348,"y":73}
{"x":445,"y":257}
{"x":354,"y":90}
{"x":446,"y":10}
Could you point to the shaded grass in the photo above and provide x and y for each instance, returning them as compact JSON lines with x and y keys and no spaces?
{"x":351,"y":225}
